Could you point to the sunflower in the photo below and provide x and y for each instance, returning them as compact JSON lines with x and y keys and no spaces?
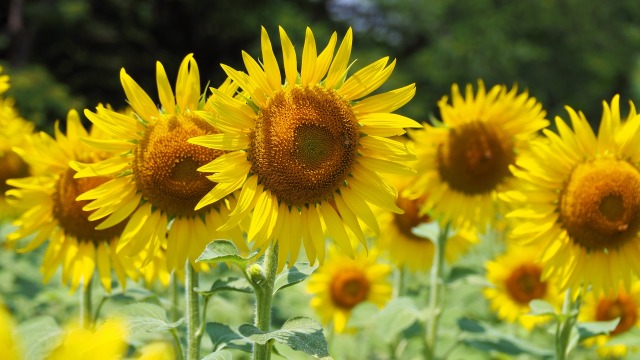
{"x":404,"y":247}
{"x":580,"y":198}
{"x":464,"y":160}
{"x":516,"y":279}
{"x":599,"y":307}
{"x":50,"y":210}
{"x":108,"y":341}
{"x":8,"y":342}
{"x":156,"y":185}
{"x":15,"y":131}
{"x":342,"y":282}
{"x":307,"y":152}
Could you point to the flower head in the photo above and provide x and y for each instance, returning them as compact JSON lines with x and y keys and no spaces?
{"x":156,"y":185}
{"x":51,"y":212}
{"x":464,"y":161}
{"x":307,"y":154}
{"x":516,"y":278}
{"x":625,"y":304}
{"x":580,"y":200}
{"x":342,"y":283}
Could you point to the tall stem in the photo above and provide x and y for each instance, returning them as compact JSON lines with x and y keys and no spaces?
{"x":436,"y":294}
{"x":193,"y":310}
{"x":86,"y":320}
{"x":264,"y":297}
{"x":565,"y":325}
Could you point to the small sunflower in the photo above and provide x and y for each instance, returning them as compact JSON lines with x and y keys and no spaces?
{"x":599,"y":307}
{"x":307,"y":154}
{"x":106,"y":342}
{"x":51,"y":212}
{"x":580,"y":200}
{"x":464,"y":160}
{"x":15,"y":131}
{"x":516,"y":279}
{"x":156,"y":184}
{"x":341,"y":283}
{"x":408,"y":249}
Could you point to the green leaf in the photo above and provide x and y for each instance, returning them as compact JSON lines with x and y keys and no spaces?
{"x":227,"y":284}
{"x":222,"y":250}
{"x":429,"y":231}
{"x":222,"y":336}
{"x":470,"y":325}
{"x":41,"y":335}
{"x":219,"y":355}
{"x":145,"y":317}
{"x":298,"y":273}
{"x":395,"y":317}
{"x":363,"y":315}
{"x":589,"y":329}
{"x":629,"y":337}
{"x":507,"y":345}
{"x":299,"y":333}
{"x":459,"y":273}
{"x":541,"y":307}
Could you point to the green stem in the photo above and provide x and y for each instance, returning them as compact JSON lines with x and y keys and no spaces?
{"x":192,"y":310}
{"x":264,"y":297}
{"x":85,"y":307}
{"x":400,"y":281}
{"x":436,"y":294}
{"x":176,"y":340}
{"x":565,"y":325}
{"x":175,"y":297}
{"x":203,"y":319}
{"x":97,"y":313}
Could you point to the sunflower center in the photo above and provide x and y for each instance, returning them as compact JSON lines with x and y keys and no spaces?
{"x":411,"y":217}
{"x":72,"y":219}
{"x":622,"y":307}
{"x":600,"y":204}
{"x":349,"y":288}
{"x":524,"y":284}
{"x":166,"y":165}
{"x":11,"y":167}
{"x":304,"y":144}
{"x":476,"y":158}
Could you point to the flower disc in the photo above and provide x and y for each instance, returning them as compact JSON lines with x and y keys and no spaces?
{"x":524,"y":284}
{"x":623,"y":307}
{"x":599,"y":205}
{"x":11,"y":166}
{"x":349,"y":288}
{"x":411,"y":217}
{"x":69,"y":212}
{"x":304,"y":144}
{"x":476,"y":158}
{"x":165,"y":165}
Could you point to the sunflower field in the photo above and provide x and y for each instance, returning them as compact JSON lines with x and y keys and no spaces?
{"x":340,"y":179}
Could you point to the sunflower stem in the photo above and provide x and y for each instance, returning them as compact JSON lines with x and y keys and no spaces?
{"x":175,"y":297}
{"x":192,"y":310}
{"x":264,"y":297}
{"x":565,"y":325}
{"x":436,"y":294}
{"x":86,"y":319}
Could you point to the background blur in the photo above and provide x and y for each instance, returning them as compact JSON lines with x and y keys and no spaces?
{"x":64,"y":54}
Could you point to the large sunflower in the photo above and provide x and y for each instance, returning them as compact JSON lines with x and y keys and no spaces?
{"x":51,"y":212}
{"x":580,"y":200}
{"x":15,"y":131}
{"x":341,"y":283}
{"x":404,"y":247}
{"x":624,"y":305}
{"x":156,"y":185}
{"x":464,"y":160}
{"x":516,"y":279}
{"x":307,"y":152}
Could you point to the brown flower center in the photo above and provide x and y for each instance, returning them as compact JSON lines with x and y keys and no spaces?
{"x":599,"y":204}
{"x":11,"y":167}
{"x":411,"y":217}
{"x":166,"y":165}
{"x":304,"y":144}
{"x":72,"y":219}
{"x":622,"y":307}
{"x":349,"y":287}
{"x":524,"y":284}
{"x":476,"y":158}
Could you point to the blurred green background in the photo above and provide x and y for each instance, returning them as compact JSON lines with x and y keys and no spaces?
{"x":65,"y":54}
